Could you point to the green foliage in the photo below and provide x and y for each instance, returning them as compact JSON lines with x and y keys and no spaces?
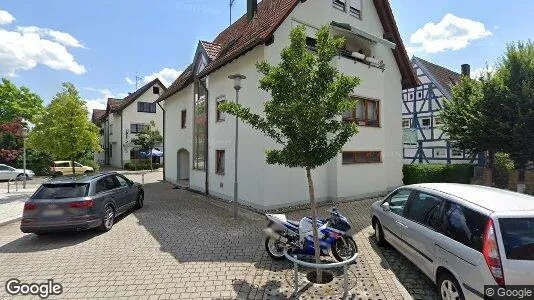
{"x":18,"y":102}
{"x":63,"y":131}
{"x":140,"y":166}
{"x":503,"y":166}
{"x":309,"y":96}
{"x":496,"y":112}
{"x":10,"y":141}
{"x":425,"y":173}
{"x":38,"y":162}
{"x":148,"y":139}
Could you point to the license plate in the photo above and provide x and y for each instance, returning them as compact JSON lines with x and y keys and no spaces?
{"x":53,"y":213}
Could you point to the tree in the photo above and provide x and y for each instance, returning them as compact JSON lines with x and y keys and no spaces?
{"x":309,"y":97}
{"x":63,"y":130}
{"x":18,"y":102}
{"x":148,"y":139}
{"x":516,"y":73}
{"x":10,"y":141}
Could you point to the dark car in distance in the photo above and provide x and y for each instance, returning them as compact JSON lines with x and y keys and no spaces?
{"x":80,"y":203}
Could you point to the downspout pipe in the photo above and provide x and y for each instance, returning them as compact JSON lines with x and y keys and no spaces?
{"x":122,"y":153}
{"x":164,"y":137}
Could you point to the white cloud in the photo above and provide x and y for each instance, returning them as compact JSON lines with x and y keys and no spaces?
{"x":6,"y":17}
{"x":129,"y":81}
{"x":30,"y":46}
{"x":478,"y":72}
{"x":451,"y":33}
{"x":166,"y":75}
{"x":101,"y":100}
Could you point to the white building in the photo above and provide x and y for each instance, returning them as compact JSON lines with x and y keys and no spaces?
{"x":426,"y":142}
{"x":123,"y":119}
{"x":199,"y":140}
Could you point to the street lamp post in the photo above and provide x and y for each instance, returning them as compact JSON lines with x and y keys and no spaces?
{"x":237,"y":86}
{"x":24,"y":136}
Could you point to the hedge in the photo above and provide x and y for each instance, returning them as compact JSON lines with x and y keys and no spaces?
{"x":422,"y":173}
{"x":140,"y":166}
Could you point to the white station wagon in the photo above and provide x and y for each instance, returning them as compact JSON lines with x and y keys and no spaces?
{"x":462,"y":237}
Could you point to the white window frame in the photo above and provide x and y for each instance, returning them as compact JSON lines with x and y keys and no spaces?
{"x":429,"y":122}
{"x":437,"y":120}
{"x":337,"y":4}
{"x":409,"y":123}
{"x":223,"y":115}
{"x":355,"y":5}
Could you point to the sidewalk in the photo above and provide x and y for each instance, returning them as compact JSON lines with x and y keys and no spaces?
{"x":12,"y":204}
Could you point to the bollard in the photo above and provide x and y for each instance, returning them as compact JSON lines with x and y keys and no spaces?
{"x":16,"y":185}
{"x":9,"y":181}
{"x":345,"y":281}
{"x":143,"y":178}
{"x":296,"y":278}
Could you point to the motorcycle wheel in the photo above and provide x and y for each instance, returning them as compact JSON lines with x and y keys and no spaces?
{"x":274,"y":249}
{"x":344,"y":248}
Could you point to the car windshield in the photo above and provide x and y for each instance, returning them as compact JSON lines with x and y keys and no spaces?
{"x":61,"y":191}
{"x":518,"y":238}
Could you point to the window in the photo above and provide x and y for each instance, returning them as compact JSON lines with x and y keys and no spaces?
{"x":78,"y":165}
{"x":397,"y":201}
{"x":146,"y":107}
{"x":361,"y":157}
{"x":5,"y":168}
{"x":440,"y":152}
{"x":122,"y":181}
{"x":60,"y":191}
{"x":406,"y":123}
{"x":425,"y":122}
{"x":135,"y":154}
{"x":106,"y":184}
{"x":200,"y":124}
{"x":464,"y":225}
{"x":410,"y":95}
{"x":355,"y":8}
{"x":138,"y":128}
{"x":518,"y":237}
{"x":110,"y":129}
{"x":457,"y":152}
{"x":419,"y":95}
{"x":437,"y":121}
{"x":366,"y":113}
{"x":219,"y":162}
{"x":155,"y":90}
{"x":183,"y":119}
{"x":63,"y":165}
{"x":220,"y":116}
{"x":339,"y":4}
{"x":425,"y":209}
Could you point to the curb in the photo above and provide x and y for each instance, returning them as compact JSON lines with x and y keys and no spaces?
{"x":10,"y":221}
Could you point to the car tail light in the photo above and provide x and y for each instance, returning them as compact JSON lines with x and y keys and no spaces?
{"x":82,"y":204}
{"x":491,"y":253}
{"x":30,"y":206}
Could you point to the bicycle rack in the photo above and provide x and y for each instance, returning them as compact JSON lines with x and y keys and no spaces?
{"x":343,"y":264}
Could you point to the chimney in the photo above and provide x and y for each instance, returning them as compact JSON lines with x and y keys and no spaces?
{"x":466,"y":70}
{"x":252,"y":8}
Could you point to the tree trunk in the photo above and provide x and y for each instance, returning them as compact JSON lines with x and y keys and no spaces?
{"x":72,"y":165}
{"x":313,"y":208}
{"x":491,"y":162}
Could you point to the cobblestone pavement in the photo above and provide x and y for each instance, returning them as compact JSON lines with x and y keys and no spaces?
{"x":182,"y":245}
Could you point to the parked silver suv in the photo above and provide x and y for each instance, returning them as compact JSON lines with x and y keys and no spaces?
{"x":461,"y":236}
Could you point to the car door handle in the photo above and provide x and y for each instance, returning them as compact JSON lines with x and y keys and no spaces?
{"x":401,"y":224}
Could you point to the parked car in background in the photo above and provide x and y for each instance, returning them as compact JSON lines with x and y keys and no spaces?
{"x":60,"y":168}
{"x":461,"y":236}
{"x":80,"y":202}
{"x":10,"y":173}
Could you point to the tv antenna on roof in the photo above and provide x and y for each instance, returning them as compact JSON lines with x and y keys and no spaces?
{"x":231,"y":5}
{"x":137,"y":80}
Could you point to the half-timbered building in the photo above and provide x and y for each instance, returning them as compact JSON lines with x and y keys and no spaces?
{"x":424,"y":141}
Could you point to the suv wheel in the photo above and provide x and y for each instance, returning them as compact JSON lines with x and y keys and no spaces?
{"x":108,"y":219}
{"x":449,"y":288}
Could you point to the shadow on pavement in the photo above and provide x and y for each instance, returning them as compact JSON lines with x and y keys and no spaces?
{"x":416,"y":283}
{"x":271,"y":290}
{"x":192,"y":227}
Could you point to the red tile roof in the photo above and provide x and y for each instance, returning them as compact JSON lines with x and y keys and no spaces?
{"x":97,"y":114}
{"x":243,"y":36}
{"x":445,"y":77}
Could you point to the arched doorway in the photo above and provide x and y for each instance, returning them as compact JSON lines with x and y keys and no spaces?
{"x":183,"y":164}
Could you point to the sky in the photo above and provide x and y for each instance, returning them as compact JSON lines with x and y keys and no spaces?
{"x":101,"y":46}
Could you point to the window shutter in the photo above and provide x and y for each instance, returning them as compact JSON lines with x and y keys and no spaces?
{"x":356,"y":4}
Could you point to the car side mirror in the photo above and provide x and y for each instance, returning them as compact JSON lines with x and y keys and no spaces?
{"x":385,"y":206}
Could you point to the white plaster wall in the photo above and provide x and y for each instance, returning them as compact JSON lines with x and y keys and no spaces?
{"x":176,"y":137}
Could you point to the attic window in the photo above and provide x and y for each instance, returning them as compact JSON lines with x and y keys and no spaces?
{"x":340,"y":4}
{"x":355,"y":8}
{"x":155,"y":90}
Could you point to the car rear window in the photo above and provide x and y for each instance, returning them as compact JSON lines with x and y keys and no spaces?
{"x":518,"y":237}
{"x":60,"y":191}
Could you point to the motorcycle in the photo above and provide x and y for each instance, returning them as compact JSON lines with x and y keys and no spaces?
{"x":297,"y":237}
